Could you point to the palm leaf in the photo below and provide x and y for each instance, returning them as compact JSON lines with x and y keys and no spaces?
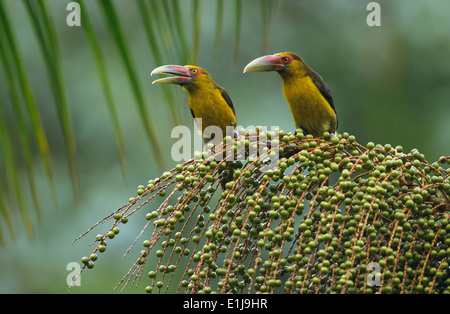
{"x":44,"y":29}
{"x":219,"y":28}
{"x":24,"y":138}
{"x":265,"y":14}
{"x":21,"y":95}
{"x":104,"y":78}
{"x":196,"y":18}
{"x":6,"y":217}
{"x":9,"y":44}
{"x":179,"y":31}
{"x":148,"y":17}
{"x":12,"y":178}
{"x":169,"y":40}
{"x":115,"y":29}
{"x":156,"y":13}
{"x":237,"y":29}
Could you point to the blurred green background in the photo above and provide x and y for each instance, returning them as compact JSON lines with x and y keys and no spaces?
{"x":390,"y":84}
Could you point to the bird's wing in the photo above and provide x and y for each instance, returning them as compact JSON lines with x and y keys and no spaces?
{"x":323,"y":88}
{"x":227,"y":98}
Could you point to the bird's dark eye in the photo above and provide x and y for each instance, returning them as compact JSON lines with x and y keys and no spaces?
{"x":285,"y":59}
{"x":194,"y":71}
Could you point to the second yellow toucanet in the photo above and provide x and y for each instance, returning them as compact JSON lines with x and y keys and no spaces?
{"x":308,"y":96}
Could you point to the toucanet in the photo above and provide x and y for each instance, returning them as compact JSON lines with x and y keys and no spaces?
{"x":207,"y":100}
{"x":307,"y":94}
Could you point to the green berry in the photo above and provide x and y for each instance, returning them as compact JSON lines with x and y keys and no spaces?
{"x":146,"y":243}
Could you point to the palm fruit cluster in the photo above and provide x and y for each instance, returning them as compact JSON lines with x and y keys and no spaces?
{"x":332,"y":216}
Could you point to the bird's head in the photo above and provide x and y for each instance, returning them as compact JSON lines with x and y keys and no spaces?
{"x":184,"y":76}
{"x":281,"y":62}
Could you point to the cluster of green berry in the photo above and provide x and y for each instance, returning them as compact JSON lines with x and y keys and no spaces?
{"x":333,"y":216}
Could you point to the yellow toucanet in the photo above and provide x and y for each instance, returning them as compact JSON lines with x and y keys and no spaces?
{"x":307,"y":94}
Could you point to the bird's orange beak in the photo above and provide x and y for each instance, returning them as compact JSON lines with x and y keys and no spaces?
{"x":265,"y":63}
{"x":180,"y":75}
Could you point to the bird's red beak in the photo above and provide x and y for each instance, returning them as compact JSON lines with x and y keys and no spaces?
{"x":180,"y":74}
{"x":265,"y":63}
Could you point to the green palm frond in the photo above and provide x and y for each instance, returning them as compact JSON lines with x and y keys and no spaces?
{"x":237,"y":29}
{"x":104,"y":79}
{"x":173,"y":31}
{"x":21,"y":95}
{"x":48,"y":41}
{"x":116,"y":31}
{"x":148,"y":18}
{"x":219,"y":28}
